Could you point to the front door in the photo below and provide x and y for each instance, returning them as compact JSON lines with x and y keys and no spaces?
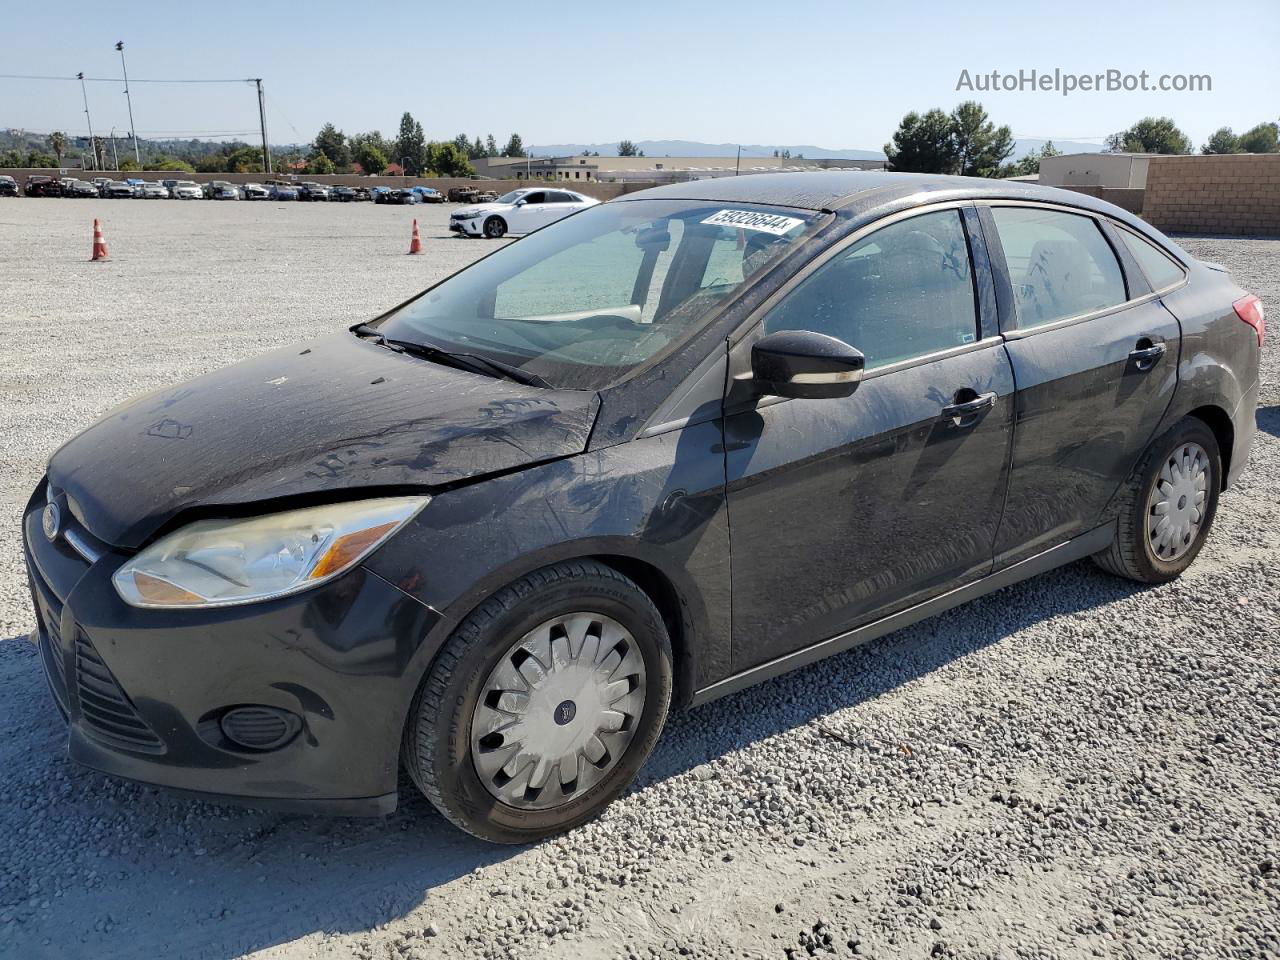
{"x":530,"y":212}
{"x":842,"y":511}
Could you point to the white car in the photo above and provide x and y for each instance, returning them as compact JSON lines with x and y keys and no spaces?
{"x":154,"y":191}
{"x":519,"y":212}
{"x":187,"y":190}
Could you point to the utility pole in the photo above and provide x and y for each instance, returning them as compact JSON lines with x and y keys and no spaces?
{"x":115,"y":155}
{"x":132,"y":130}
{"x":739,"y":161}
{"x":93,"y":144}
{"x":262,"y":118}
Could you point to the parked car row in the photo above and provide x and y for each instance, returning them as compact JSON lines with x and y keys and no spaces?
{"x":485,"y":214}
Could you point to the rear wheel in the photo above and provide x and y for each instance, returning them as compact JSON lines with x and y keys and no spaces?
{"x":495,"y":228}
{"x":543,"y":704}
{"x":1168,"y":506}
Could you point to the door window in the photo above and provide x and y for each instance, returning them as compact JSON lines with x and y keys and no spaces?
{"x":902,"y":292}
{"x":1060,"y":264}
{"x":538,"y":197}
{"x":1161,"y":271}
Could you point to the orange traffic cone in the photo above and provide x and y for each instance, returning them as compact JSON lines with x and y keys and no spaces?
{"x":99,"y":245}
{"x":415,"y":243}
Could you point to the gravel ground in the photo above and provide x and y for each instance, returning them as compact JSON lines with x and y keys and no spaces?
{"x":1069,"y":767}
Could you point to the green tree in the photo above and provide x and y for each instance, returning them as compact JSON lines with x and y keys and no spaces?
{"x":58,"y":144}
{"x":1150,"y":135}
{"x":981,"y":147}
{"x":128,"y":165}
{"x":490,"y":146}
{"x":1260,"y":139}
{"x":923,"y":144}
{"x":170,"y":163}
{"x":1031,"y":162}
{"x":10,"y":158}
{"x":37,"y":159}
{"x":626,"y":149}
{"x":514,"y":147}
{"x":1222,"y":141}
{"x":319,"y":163}
{"x":213,"y":163}
{"x":411,"y":146}
{"x":333,"y":144}
{"x":372,"y":160}
{"x":446,"y":160}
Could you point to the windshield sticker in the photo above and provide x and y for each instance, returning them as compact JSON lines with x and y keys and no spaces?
{"x":754,"y":220}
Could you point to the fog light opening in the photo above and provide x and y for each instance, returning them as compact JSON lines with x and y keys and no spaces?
{"x":259,"y":728}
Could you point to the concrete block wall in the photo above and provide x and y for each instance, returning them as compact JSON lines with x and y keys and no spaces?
{"x":1236,"y":194}
{"x":1127,"y":198}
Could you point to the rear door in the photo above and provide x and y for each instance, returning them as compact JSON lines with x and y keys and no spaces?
{"x":1095,"y":357}
{"x":842,"y":511}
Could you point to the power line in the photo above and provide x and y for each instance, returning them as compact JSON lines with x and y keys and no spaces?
{"x":25,"y":76}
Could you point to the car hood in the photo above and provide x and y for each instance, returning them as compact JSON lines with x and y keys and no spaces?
{"x":475,"y":209}
{"x":334,"y":415}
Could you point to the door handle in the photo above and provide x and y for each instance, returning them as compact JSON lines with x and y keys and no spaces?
{"x":1146,"y":354}
{"x":964,"y":413}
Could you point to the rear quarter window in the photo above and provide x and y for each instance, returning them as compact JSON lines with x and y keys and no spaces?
{"x":1161,"y":270}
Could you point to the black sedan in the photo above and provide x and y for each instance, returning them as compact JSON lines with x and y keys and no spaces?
{"x":42,"y":186}
{"x":8,"y":186}
{"x":313,"y":191}
{"x":663,"y":449}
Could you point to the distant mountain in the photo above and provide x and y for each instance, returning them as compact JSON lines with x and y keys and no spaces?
{"x":696,"y":148}
{"x":1022,"y":147}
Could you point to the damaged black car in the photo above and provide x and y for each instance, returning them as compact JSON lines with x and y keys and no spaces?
{"x":667,"y":447}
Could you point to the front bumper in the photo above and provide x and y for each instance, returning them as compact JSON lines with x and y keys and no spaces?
{"x":470,"y":228}
{"x":143,"y":690}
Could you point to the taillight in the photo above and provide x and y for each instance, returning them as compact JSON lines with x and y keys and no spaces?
{"x":1249,"y":309}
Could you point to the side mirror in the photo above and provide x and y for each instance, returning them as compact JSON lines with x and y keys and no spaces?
{"x":521,"y":202}
{"x":805,"y":365}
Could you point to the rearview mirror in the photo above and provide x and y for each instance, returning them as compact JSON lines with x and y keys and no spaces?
{"x":805,"y":365}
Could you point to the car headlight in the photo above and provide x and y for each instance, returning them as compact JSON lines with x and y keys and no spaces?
{"x":214,"y":563}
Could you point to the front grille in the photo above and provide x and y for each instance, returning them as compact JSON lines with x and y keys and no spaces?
{"x":48,"y":615}
{"x":107,"y":712}
{"x":54,"y":669}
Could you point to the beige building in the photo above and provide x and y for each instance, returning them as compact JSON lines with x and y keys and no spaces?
{"x":659,"y":169}
{"x":1124,"y":170}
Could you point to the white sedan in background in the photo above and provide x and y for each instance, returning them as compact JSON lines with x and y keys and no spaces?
{"x":519,"y":212}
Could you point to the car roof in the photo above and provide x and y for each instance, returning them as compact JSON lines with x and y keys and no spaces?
{"x":863,"y":192}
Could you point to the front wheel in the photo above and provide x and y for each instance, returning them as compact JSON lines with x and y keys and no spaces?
{"x":495,"y":228}
{"x":1168,"y":505}
{"x":542,"y":705}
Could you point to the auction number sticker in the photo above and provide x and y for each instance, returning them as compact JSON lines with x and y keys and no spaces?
{"x":754,"y":220}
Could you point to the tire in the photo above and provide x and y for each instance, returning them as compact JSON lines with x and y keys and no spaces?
{"x":1132,"y":554}
{"x":495,"y":228}
{"x":440,"y":753}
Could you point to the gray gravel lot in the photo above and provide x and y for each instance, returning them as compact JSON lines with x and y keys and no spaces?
{"x":1069,"y":767}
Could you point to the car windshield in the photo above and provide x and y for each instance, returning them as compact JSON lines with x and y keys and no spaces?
{"x":512,"y":197}
{"x":591,"y":298}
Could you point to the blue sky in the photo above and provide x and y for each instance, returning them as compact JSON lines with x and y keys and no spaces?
{"x":837,"y":74}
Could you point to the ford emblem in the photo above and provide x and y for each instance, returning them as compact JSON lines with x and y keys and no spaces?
{"x":51,"y":521}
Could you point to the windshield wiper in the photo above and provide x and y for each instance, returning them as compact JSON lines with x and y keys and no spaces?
{"x":463,"y":361}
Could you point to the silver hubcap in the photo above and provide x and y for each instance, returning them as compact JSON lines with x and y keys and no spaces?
{"x":558,"y":711}
{"x":1175,"y":509}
